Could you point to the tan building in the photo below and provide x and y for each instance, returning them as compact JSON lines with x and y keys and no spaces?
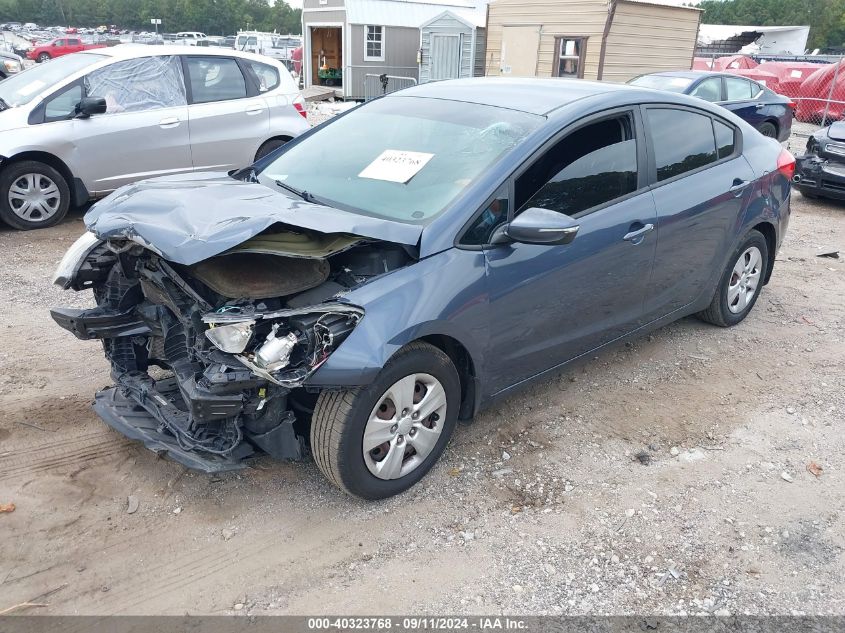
{"x":613,"y":40}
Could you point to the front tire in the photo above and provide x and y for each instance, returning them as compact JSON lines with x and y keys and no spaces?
{"x":740,"y":284}
{"x":43,"y":57}
{"x":33,"y":195}
{"x":377,"y":441}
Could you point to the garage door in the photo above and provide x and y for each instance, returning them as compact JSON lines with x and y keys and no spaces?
{"x":520,"y":46}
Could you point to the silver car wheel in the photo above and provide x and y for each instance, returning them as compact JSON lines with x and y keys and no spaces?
{"x":745,"y":278}
{"x":404,"y":426}
{"x":34,"y":197}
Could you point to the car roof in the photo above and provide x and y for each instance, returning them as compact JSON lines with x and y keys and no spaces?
{"x":690,"y":74}
{"x":534,"y":96}
{"x":129,"y":51}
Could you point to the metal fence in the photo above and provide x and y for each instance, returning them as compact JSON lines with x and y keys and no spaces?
{"x":378,"y":85}
{"x":814,"y":83}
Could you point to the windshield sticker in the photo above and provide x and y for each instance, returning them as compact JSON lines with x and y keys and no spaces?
{"x":396,"y":165}
{"x":31,"y":87}
{"x":796,"y":73}
{"x":681,"y":82}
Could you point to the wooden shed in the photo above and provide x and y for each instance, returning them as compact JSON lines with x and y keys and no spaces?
{"x":613,"y":40}
{"x":448,"y":47}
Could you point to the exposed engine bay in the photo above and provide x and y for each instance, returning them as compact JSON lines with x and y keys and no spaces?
{"x":209,"y":359}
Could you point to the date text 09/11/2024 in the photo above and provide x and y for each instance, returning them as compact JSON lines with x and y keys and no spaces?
{"x":426,"y":623}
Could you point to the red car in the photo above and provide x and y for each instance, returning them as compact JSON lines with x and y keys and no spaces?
{"x":58,"y":47}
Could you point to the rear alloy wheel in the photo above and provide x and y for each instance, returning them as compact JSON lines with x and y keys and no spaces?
{"x":379,"y":440}
{"x":768,"y":129}
{"x":32,"y":195}
{"x":740,"y":284}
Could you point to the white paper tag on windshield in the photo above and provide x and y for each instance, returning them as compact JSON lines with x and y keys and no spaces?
{"x":796,"y":73}
{"x":396,"y":165}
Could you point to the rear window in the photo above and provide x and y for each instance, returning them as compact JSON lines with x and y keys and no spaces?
{"x":266,"y":76}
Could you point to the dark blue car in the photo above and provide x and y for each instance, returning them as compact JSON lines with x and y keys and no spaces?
{"x":762,"y":108}
{"x":415,"y":260}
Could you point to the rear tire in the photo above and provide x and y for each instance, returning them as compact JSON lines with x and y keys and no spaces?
{"x":768,"y":129}
{"x":33,"y":195}
{"x":735,"y":296}
{"x":341,"y":419}
{"x":268,"y":147}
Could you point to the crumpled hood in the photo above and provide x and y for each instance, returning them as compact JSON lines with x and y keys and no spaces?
{"x":189,"y":218}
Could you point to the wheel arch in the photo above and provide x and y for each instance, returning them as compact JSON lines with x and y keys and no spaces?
{"x":464,"y":364}
{"x":279,"y":137}
{"x":769,"y":232}
{"x":78,"y":192}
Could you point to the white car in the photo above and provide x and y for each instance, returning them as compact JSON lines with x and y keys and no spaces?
{"x":85,"y":124}
{"x":190,"y":37}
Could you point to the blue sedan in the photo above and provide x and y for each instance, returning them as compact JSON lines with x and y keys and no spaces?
{"x":762,"y":108}
{"x":413,"y":261}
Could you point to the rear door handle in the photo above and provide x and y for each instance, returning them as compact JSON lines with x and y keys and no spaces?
{"x":760,"y":106}
{"x":255,"y":109}
{"x":172,"y":121}
{"x":739,"y":186}
{"x":635,"y":237}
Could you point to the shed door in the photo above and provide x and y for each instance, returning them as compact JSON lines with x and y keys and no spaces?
{"x":520,"y":48}
{"x":445,"y":56}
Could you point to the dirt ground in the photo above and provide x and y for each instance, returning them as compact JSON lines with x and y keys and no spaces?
{"x":671,"y":475}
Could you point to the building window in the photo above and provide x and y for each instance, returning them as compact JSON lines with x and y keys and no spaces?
{"x":374,"y":44}
{"x":570,"y":56}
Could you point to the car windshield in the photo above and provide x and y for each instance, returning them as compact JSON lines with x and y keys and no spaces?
{"x":22,"y":88}
{"x":662,"y":82}
{"x":400,"y":158}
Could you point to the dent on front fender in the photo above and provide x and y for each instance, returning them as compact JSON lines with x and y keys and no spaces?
{"x":444,"y":295}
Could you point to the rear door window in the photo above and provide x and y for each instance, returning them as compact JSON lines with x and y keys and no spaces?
{"x":215,"y":79}
{"x":738,"y":89}
{"x":725,"y":138}
{"x":683,"y":141}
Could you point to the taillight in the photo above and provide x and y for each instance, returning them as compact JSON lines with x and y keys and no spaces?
{"x":300,"y":107}
{"x":786,"y":164}
{"x":791,"y":105}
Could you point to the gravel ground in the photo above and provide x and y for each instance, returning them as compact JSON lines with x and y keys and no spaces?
{"x":696,"y":470}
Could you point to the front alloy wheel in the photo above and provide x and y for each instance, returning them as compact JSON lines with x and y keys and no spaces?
{"x":404,"y":426}
{"x":33,"y":195}
{"x":379,"y":440}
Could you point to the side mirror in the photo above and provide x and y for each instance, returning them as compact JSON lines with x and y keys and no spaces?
{"x":538,"y":226}
{"x":90,"y":106}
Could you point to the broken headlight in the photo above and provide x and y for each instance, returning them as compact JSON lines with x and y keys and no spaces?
{"x":73,"y":259}
{"x":233,"y":338}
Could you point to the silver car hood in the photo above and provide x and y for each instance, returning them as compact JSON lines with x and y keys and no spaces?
{"x":189,"y":218}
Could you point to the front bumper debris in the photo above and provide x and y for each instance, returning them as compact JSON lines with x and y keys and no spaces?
{"x":129,"y":418}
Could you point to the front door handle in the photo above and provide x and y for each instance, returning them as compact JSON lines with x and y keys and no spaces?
{"x":738,"y":187}
{"x":635,"y":237}
{"x":172,"y":121}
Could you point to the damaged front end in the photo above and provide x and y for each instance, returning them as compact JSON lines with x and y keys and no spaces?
{"x":209,"y":359}
{"x":820,"y":172}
